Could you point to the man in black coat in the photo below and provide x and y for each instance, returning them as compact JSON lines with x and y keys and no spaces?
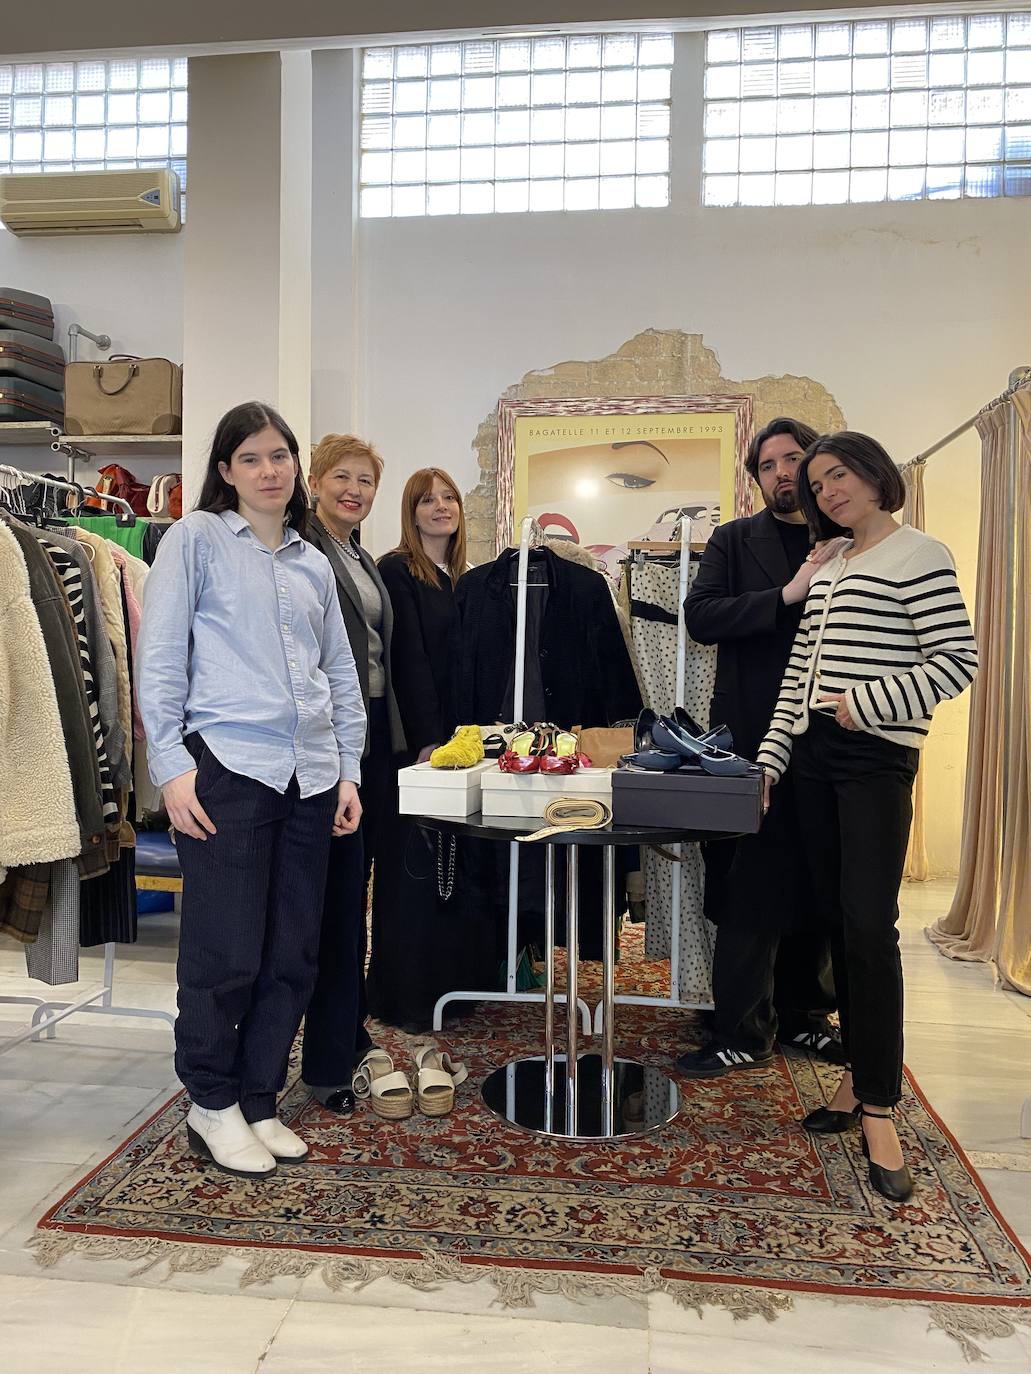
{"x":772,"y":972}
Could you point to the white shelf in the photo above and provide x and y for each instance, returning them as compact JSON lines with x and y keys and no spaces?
{"x":124,"y":445}
{"x":20,"y":433}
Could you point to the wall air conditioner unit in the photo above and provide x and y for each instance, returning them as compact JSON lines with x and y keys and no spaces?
{"x":51,"y":203}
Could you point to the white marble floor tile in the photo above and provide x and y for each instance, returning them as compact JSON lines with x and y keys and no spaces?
{"x":481,"y":1299}
{"x":93,"y":1328}
{"x":982,"y":1116}
{"x":676,"y":1353}
{"x":24,"y":1184}
{"x":316,"y":1337}
{"x":1010,"y":1190}
{"x":873,"y":1337}
{"x":67,"y":1122}
{"x":95,"y":1052}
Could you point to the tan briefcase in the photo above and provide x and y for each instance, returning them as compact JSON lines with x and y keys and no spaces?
{"x":124,"y":395}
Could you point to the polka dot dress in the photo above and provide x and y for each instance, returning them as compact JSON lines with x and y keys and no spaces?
{"x":658,"y":584}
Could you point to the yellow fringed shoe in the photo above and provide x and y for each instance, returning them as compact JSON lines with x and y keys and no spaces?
{"x":463,"y":749}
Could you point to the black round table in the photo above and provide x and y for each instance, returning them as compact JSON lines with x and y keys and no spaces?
{"x":572,"y":1095}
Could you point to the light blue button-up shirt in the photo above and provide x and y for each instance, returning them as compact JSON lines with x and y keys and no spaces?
{"x":247,"y":646}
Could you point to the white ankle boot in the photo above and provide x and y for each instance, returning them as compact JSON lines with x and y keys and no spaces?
{"x":224,"y":1138}
{"x":279,"y":1140}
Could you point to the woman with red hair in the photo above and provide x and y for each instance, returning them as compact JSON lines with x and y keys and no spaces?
{"x":415,"y":957}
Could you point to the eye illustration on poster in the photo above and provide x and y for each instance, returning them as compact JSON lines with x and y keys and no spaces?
{"x":604,"y":472}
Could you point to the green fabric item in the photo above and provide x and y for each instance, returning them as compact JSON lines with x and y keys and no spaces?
{"x":130,"y":537}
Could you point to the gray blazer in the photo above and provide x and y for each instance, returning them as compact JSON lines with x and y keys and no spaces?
{"x":354,"y":623}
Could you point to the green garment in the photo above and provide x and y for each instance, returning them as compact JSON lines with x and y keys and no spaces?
{"x":128,"y":536}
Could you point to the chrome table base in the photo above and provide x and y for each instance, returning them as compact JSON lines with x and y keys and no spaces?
{"x":581,"y":1096}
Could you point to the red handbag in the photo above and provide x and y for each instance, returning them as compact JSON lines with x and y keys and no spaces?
{"x":114,"y":480}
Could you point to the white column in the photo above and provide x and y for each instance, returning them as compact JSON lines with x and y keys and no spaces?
{"x":295,"y":257}
{"x":334,"y":211}
{"x":247,"y":290}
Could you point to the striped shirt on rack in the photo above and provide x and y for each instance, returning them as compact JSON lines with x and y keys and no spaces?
{"x":890,"y":630}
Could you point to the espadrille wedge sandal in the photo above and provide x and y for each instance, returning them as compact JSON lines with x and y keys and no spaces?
{"x":437,"y":1077}
{"x":387,"y":1089}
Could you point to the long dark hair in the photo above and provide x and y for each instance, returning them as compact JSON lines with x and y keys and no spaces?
{"x":235,"y":426}
{"x":863,"y":456}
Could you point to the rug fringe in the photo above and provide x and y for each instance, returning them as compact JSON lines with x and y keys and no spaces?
{"x":513,"y":1287}
{"x":963,"y":1323}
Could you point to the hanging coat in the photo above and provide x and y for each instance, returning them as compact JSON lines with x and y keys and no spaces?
{"x":585,"y":668}
{"x":37,"y":810}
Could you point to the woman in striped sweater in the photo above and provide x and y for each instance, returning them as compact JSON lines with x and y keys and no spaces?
{"x":884,"y":637}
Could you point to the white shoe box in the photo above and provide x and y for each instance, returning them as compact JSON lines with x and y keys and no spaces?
{"x":427,"y":791}
{"x":527,"y":794}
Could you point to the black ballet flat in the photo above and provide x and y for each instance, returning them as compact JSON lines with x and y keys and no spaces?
{"x":825,"y":1121}
{"x":894,"y":1184}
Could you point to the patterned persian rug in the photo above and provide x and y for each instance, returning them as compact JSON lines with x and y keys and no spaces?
{"x":731,"y":1203}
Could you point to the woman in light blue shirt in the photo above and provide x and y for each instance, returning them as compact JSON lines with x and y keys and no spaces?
{"x":255,"y":728}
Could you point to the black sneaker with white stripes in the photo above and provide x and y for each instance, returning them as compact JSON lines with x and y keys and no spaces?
{"x":713,"y":1060}
{"x":822,"y":1041}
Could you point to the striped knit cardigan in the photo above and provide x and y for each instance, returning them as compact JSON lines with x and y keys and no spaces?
{"x":890,"y":630}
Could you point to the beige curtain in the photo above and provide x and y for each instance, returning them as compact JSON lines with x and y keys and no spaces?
{"x":968,"y":931}
{"x":1013,"y":936}
{"x":916,"y":855}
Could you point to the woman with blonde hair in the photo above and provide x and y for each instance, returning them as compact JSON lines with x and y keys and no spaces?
{"x":343,"y":479}
{"x":413,"y":960}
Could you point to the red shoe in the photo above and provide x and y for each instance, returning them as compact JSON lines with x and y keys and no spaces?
{"x":563,"y":756}
{"x":521,"y":756}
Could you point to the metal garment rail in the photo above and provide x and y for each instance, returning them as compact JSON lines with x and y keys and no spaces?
{"x":75,"y":487}
{"x":100,"y":1001}
{"x":530,"y":533}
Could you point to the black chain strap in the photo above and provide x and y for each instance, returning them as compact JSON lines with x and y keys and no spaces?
{"x":445,"y":885}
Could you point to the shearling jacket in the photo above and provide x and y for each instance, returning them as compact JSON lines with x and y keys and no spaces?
{"x":37,"y":809}
{"x":55,"y":621}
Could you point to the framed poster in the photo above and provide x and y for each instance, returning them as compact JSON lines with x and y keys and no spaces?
{"x":602,"y":472}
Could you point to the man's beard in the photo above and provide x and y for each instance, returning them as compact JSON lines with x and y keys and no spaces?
{"x":784,"y":501}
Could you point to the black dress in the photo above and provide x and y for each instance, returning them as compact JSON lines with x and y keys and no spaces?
{"x":420,"y":948}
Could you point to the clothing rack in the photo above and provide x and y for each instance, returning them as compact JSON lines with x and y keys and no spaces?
{"x":686,"y":548}
{"x":100,"y":1001}
{"x":531,"y":535}
{"x":77,"y":488}
{"x":1019,"y":378}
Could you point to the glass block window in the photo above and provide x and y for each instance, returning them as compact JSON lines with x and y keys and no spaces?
{"x":578,"y":122}
{"x":87,"y":116}
{"x":869,"y":110}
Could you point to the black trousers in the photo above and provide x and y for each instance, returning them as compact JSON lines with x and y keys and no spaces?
{"x":772,"y":964}
{"x":335,"y":1037}
{"x":252,"y":901}
{"x":854,"y":794}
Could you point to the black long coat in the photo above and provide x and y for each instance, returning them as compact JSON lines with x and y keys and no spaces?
{"x":424,"y":618}
{"x":420,"y":947}
{"x":585,"y":668}
{"x":736,"y":602}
